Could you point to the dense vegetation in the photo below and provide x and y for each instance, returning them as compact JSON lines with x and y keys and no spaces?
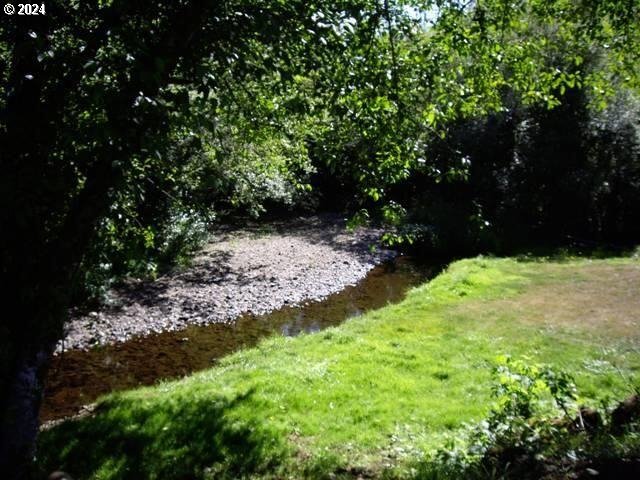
{"x":535,"y":139}
{"x":126,"y":130}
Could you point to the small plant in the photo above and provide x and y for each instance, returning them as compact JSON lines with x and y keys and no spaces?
{"x":536,"y":430}
{"x":521,"y":424}
{"x":522,"y":387}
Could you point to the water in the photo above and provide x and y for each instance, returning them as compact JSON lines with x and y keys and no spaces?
{"x":77,"y":378}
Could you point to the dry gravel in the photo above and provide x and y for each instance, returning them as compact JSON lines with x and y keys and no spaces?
{"x":256,"y":269}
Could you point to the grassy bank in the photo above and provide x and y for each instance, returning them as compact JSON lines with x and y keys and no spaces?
{"x":371,"y":396}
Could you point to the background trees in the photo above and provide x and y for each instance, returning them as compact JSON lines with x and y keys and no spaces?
{"x":490,"y":125}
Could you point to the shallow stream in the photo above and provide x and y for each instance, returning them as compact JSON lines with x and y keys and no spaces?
{"x":79,"y":377}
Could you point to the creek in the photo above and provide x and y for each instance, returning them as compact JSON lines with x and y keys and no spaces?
{"x":78,"y":377}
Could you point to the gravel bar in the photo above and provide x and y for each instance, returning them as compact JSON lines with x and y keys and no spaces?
{"x":256,"y":269}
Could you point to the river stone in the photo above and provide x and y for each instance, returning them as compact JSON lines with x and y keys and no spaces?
{"x":238,"y":271}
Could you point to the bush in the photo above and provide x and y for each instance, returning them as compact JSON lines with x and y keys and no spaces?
{"x":536,"y":430}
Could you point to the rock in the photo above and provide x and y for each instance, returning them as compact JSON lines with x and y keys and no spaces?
{"x":625,"y":413}
{"x":307,"y":260}
{"x":588,"y":419}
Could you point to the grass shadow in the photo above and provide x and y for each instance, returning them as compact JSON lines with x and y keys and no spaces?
{"x":169,"y":436}
{"x":572,"y":252}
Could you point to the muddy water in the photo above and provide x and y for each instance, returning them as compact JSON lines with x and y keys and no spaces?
{"x":79,"y":377}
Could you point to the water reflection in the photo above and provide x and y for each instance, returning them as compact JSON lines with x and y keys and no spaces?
{"x":77,"y":378}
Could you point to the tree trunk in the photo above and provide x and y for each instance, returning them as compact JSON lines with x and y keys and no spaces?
{"x":19,"y":425}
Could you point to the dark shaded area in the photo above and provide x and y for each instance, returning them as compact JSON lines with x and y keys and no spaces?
{"x":527,"y":177}
{"x":176,"y":438}
{"x":532,"y":177}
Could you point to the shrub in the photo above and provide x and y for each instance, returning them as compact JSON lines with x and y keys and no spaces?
{"x":536,"y":430}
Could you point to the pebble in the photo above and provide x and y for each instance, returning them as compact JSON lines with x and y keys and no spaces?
{"x":236,"y":273}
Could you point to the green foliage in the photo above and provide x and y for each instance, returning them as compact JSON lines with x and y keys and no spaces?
{"x":535,"y":177}
{"x":520,"y":386}
{"x":254,"y":150}
{"x":410,"y":78}
{"x":518,"y":389}
{"x":233,"y":126}
{"x":227,"y":160}
{"x":525,"y":437}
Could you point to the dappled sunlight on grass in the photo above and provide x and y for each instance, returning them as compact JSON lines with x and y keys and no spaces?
{"x":146,"y":435}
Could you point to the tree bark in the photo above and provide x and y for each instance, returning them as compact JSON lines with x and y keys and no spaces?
{"x":19,"y":426}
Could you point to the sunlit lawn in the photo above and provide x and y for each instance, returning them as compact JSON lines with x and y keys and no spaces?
{"x":375,"y":392}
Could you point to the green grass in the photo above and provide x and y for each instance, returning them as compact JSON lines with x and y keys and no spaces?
{"x":369,"y":396}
